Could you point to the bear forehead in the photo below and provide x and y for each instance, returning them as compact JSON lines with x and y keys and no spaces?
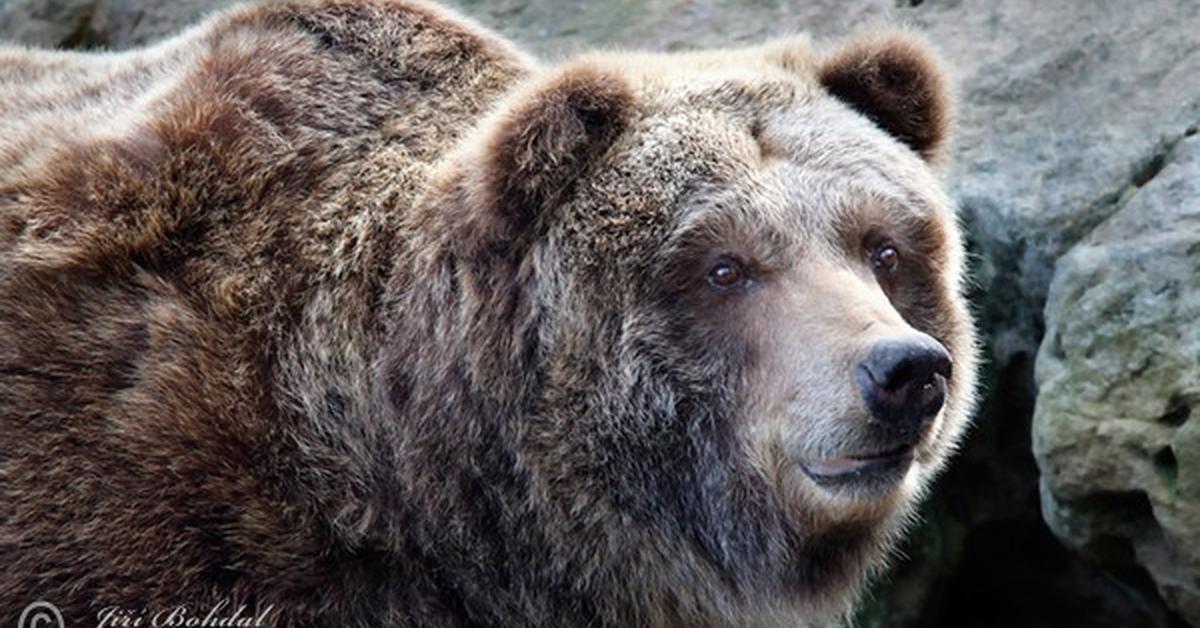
{"x":793,"y":59}
{"x":771,"y":157}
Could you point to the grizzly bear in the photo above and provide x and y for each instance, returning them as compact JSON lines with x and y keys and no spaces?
{"x":348,"y":313}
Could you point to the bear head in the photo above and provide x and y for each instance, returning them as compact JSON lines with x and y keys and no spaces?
{"x":718,"y":297}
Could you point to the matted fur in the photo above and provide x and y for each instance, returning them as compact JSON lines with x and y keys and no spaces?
{"x":346,"y":311}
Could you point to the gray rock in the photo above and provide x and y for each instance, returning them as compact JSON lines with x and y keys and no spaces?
{"x":1119,"y":375}
{"x":55,"y":23}
{"x":98,"y":24}
{"x":1066,"y":105}
{"x":138,"y":22}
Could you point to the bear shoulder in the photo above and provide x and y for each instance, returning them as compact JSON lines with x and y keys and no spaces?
{"x":182,"y":228}
{"x":120,"y":153}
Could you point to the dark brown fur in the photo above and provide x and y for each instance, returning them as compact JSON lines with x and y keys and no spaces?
{"x":294,"y":331}
{"x":152,"y":299}
{"x":898,"y":85}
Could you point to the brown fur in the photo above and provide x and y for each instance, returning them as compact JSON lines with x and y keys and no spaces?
{"x":894,"y":80}
{"x":345,"y":310}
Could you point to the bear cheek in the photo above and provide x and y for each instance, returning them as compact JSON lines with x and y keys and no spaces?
{"x":799,"y":397}
{"x":802,"y":403}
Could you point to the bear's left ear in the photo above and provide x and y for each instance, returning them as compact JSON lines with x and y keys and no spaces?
{"x":547,"y":138}
{"x":895,"y":80}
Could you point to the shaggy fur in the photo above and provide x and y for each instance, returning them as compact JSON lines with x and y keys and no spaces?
{"x":892,"y":80}
{"x":346,"y":311}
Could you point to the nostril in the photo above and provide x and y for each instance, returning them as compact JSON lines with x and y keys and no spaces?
{"x":933,"y":376}
{"x":941,"y":362}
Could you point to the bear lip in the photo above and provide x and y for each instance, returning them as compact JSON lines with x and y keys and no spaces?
{"x":845,"y":467}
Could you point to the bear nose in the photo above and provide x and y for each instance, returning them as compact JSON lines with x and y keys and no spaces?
{"x":904,"y":381}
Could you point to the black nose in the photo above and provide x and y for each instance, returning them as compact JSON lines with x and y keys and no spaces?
{"x":904,"y":381}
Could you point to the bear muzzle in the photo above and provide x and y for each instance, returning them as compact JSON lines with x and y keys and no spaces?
{"x":903,"y":383}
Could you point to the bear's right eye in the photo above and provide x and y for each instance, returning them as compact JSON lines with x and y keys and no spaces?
{"x":885,"y":259}
{"x":726,"y":274}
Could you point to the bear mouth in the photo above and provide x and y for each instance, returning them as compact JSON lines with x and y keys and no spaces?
{"x":877,"y":470}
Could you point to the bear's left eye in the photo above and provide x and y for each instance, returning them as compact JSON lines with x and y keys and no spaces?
{"x":885,"y":258}
{"x":726,"y":274}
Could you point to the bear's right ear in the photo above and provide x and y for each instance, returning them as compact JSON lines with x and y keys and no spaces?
{"x":897,"y":81}
{"x":546,"y":139}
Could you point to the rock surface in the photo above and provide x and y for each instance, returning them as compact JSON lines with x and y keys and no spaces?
{"x":98,"y":24}
{"x":1119,"y":376}
{"x":1067,"y":110}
